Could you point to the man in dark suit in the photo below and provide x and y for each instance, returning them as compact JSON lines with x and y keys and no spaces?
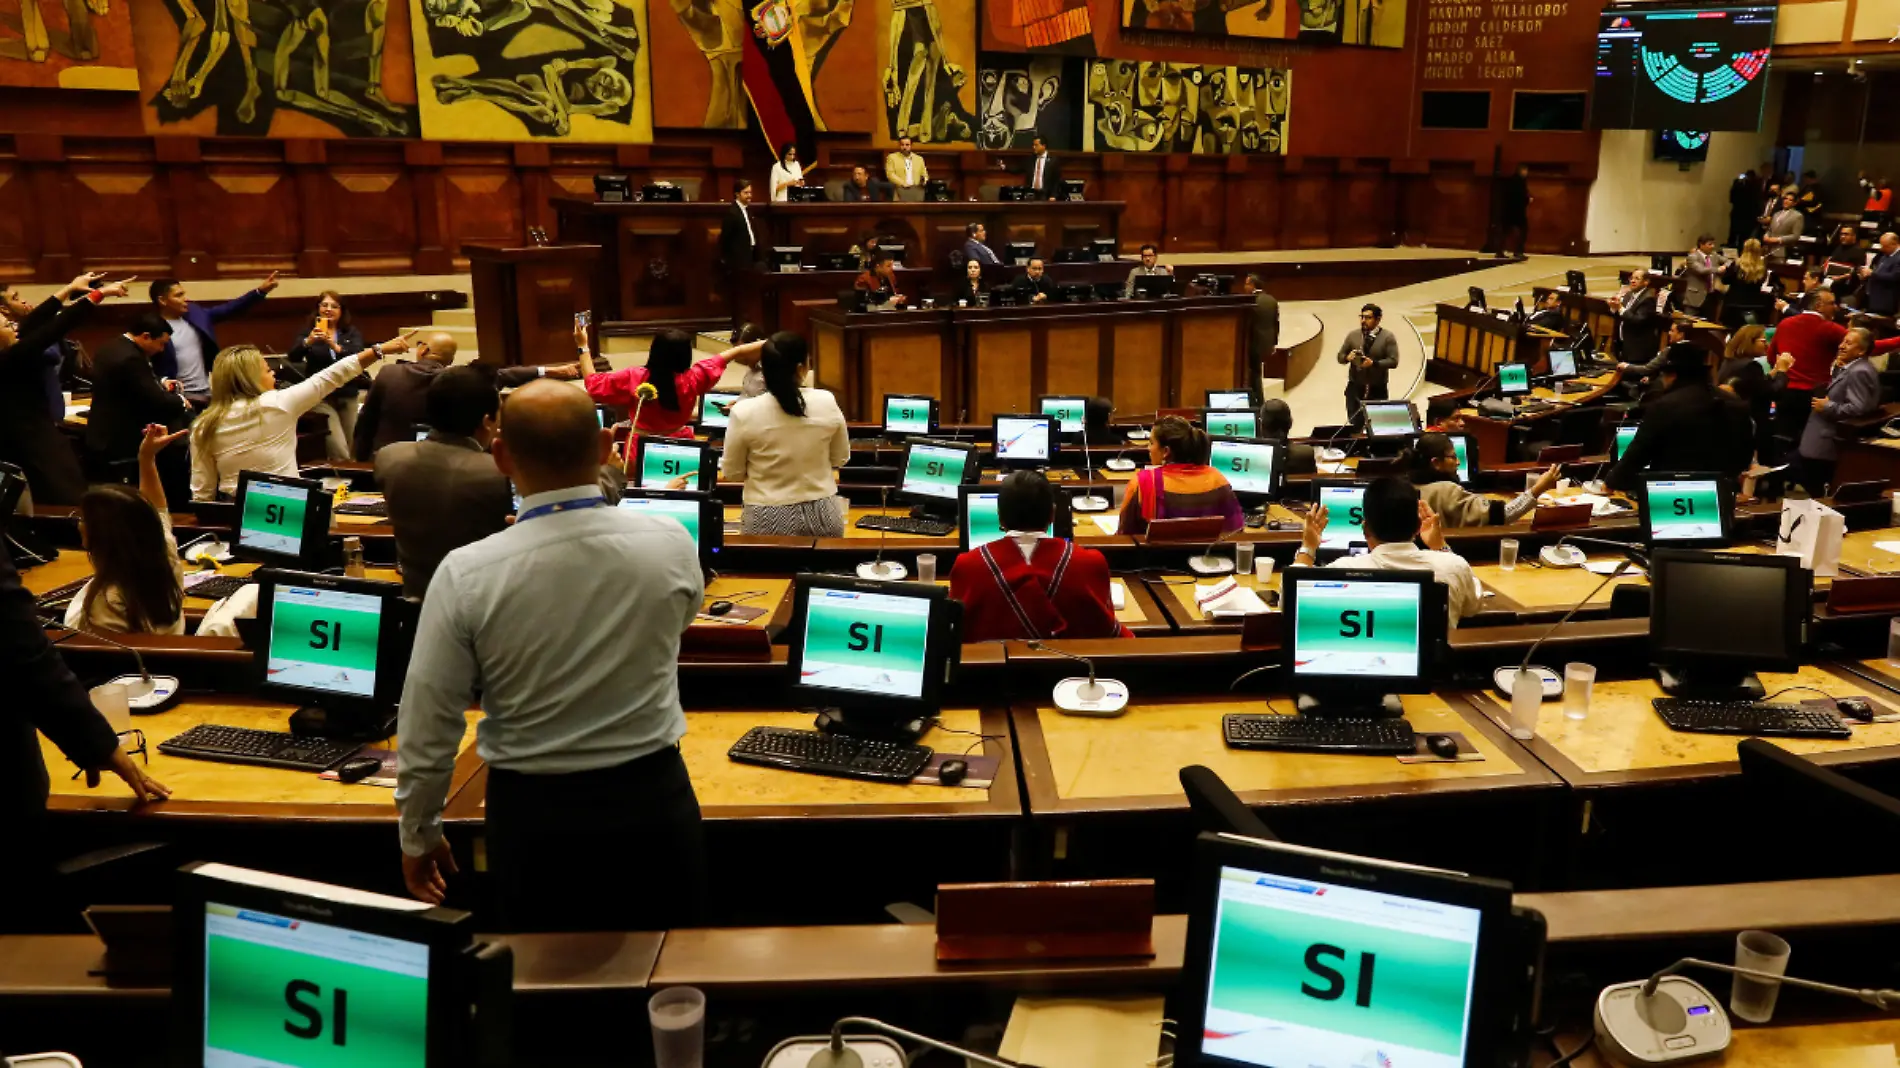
{"x":44,"y":697}
{"x":1883,"y":278}
{"x":738,"y":244}
{"x":861,"y":188}
{"x":127,"y":396}
{"x":1640,"y":324}
{"x":1034,"y":287}
{"x":1550,"y":313}
{"x":398,"y":398}
{"x":1266,"y":331}
{"x":1370,"y":352}
{"x":1514,"y":211}
{"x":974,"y":247}
{"x":445,"y":492}
{"x":1042,"y":172}
{"x":1691,"y":425}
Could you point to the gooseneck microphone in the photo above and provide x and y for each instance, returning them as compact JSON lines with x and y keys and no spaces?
{"x":1209,"y":564}
{"x":880,"y":569}
{"x":144,"y":693}
{"x":1525,"y":686}
{"x":1086,"y":697}
{"x":1886,"y":1000}
{"x":837,"y":1055}
{"x":1088,"y":502}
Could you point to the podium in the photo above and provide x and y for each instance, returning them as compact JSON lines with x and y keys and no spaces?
{"x":526,"y":299}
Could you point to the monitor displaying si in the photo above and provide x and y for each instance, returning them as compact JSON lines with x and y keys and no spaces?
{"x":1023,"y":440}
{"x":1620,"y":439}
{"x":978,"y":523}
{"x":1563,"y":363}
{"x":700,"y":513}
{"x":1685,"y":511}
{"x":339,"y":643}
{"x":1682,"y":67}
{"x":1229,"y":424}
{"x":662,"y":461}
{"x":1255,"y":469}
{"x":715,"y":410}
{"x":1345,"y":504}
{"x":274,"y":970}
{"x":1298,"y":956}
{"x":1376,"y":627}
{"x":882,"y":647}
{"x":1391,"y":419}
{"x":1466,"y":447}
{"x":282,"y":522}
{"x":1716,"y":617}
{"x":908,"y":414}
{"x":1070,"y":413}
{"x":934,"y":469}
{"x":1228,"y":400}
{"x":1514,"y":379}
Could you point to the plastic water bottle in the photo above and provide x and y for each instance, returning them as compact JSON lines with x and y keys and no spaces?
{"x":353,"y":557}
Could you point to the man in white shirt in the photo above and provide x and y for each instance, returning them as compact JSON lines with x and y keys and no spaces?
{"x":905,"y":169}
{"x":568,"y":623}
{"x":1395,"y":516}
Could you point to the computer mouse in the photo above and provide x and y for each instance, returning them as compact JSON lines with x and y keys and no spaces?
{"x":1443,"y":746}
{"x":356,"y":769}
{"x":952,"y":771}
{"x":719,"y":608}
{"x":1855,"y":708}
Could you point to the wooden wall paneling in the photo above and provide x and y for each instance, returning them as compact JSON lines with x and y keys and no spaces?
{"x":1073,"y":360}
{"x":481,"y":204}
{"x":1365,"y":216}
{"x":122,"y":210}
{"x":1196,"y":218}
{"x":997,"y":378}
{"x":1307,"y":220}
{"x":1202,"y":339}
{"x":308,"y":163}
{"x":1558,"y":208}
{"x":1139,"y":369}
{"x":1137,"y":181}
{"x":423,"y":161}
{"x":1252,"y":210}
{"x":51,"y":239}
{"x":1452,"y":208}
{"x":194,"y":236}
{"x":829,"y":366}
{"x":655,"y":290}
{"x":250,"y":198}
{"x":16,"y":251}
{"x":531,"y":163}
{"x":903,"y":361}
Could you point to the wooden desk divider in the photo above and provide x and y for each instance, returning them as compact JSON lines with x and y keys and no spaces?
{"x":1560,"y":517}
{"x":1199,"y":529}
{"x":1262,"y":630}
{"x":1879,"y":593}
{"x":723,"y":642}
{"x":1083,"y":920}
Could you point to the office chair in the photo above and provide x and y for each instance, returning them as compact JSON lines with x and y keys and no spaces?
{"x":1217,"y":809}
{"x":1806,"y":821}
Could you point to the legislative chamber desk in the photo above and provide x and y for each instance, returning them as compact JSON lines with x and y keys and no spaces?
{"x":663,"y":259}
{"x":1143,"y":355}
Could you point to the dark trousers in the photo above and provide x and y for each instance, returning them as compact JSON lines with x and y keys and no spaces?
{"x":1355,"y":402}
{"x":615,"y":849}
{"x":1816,"y":476}
{"x":1792,"y":408}
{"x":1514,"y":230}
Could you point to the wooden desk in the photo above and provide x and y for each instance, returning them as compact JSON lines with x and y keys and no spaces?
{"x":1860,"y":551}
{"x":1177,"y":592}
{"x":526,"y":298}
{"x":1468,"y":346}
{"x":73,"y":565}
{"x":1864,"y":459}
{"x":1548,"y":589}
{"x":1494,"y":435}
{"x":1857,"y":1044}
{"x":204,"y":789}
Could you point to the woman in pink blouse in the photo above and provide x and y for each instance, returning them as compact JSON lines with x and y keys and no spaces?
{"x":675,"y":375}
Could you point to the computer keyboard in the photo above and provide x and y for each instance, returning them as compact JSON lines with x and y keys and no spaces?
{"x":1318,"y":734}
{"x":218,"y":588}
{"x":369,"y":508}
{"x":243,"y":745}
{"x":1534,"y":407}
{"x":903,"y":524}
{"x":830,"y":754}
{"x":59,"y":595}
{"x":1746,"y":717}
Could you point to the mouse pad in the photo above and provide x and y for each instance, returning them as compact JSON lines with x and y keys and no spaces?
{"x":1466,"y":751}
{"x":981,"y":774}
{"x":740,"y":614}
{"x":385,"y":778}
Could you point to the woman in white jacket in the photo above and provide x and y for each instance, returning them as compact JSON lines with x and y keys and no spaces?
{"x":251,"y":425}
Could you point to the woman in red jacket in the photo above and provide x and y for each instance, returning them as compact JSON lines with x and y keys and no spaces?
{"x":680,"y":379}
{"x":1027,"y":585}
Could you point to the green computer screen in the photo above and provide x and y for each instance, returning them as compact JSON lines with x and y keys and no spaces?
{"x":1070,"y":413}
{"x":1345,"y":515}
{"x":661,"y":462}
{"x":1355,"y":627}
{"x":934,"y":471}
{"x":979,"y":518}
{"x":292,"y":992}
{"x":324,"y":640}
{"x":1684,"y":510}
{"x":684,"y":512}
{"x":867,"y":643}
{"x":1621,"y":442}
{"x":715,"y":409}
{"x":1231,"y":424}
{"x":271,"y":518}
{"x":1389,"y":420}
{"x":906,"y":415}
{"x":1514,"y":378}
{"x":1248,"y":466}
{"x":1312,"y":973}
{"x":1463,"y":448}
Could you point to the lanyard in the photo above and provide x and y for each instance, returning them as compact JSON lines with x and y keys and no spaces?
{"x":560,"y":506}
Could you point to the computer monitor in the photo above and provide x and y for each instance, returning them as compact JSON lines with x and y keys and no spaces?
{"x":1355,"y":638}
{"x":874,"y":655}
{"x":1474,"y":299}
{"x":1620,"y":439}
{"x":1576,"y":282}
{"x":1230,"y":423}
{"x":908,"y":414}
{"x":1019,"y":253}
{"x":1466,"y":447}
{"x":1070,"y":413}
{"x":282,"y":522}
{"x":660,"y":461}
{"x":1072,"y":188}
{"x":700,"y":513}
{"x":1024,"y":440}
{"x":895,"y":249}
{"x":337,"y":644}
{"x":978,"y":524}
{"x":1692,"y":510}
{"x":715,"y":410}
{"x":1391,"y":419}
{"x":270,"y":969}
{"x":1255,"y":469}
{"x":423,"y":430}
{"x":1154,"y":286}
{"x":1345,"y":504}
{"x":613,"y":188}
{"x":1228,"y":400}
{"x":604,"y":415}
{"x":1105,"y":249}
{"x":934,"y":469}
{"x":1659,"y":262}
{"x":1514,"y":379}
{"x":1299,"y":956}
{"x":784,"y":258}
{"x":837,"y":261}
{"x":1563,"y":363}
{"x":1716,"y":618}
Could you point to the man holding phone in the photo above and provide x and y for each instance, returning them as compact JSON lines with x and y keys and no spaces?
{"x":1370,"y":354}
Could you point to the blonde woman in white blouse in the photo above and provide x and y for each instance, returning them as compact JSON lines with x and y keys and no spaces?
{"x":251,"y":425}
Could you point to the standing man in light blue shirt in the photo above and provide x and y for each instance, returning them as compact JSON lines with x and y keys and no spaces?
{"x":568,"y":623}
{"x":185,"y":363}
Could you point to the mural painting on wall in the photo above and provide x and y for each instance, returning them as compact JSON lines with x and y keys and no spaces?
{"x":1379,"y":23}
{"x":715,"y":27}
{"x":68,"y":44}
{"x":926,"y":71}
{"x":507,"y":70}
{"x":288,"y":68}
{"x":1060,"y":26}
{"x":1184,"y":107}
{"x":1021,"y":97}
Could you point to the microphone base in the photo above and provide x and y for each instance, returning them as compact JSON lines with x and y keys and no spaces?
{"x":883,"y":571}
{"x":1071,"y":699}
{"x":144,"y":698}
{"x":1089,"y":503}
{"x":1658,"y":1029}
{"x":1119,"y":464}
{"x":1553,"y":683}
{"x":1208,"y":564}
